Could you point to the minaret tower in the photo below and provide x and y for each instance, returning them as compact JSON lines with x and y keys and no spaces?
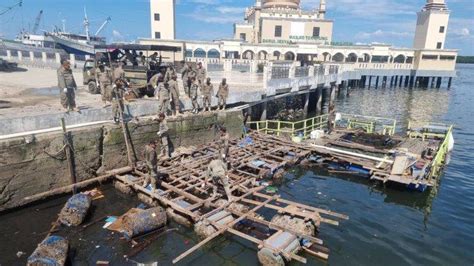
{"x":432,"y":25}
{"x":322,"y":9}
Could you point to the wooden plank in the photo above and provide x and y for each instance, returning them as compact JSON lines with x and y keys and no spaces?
{"x":205,"y":241}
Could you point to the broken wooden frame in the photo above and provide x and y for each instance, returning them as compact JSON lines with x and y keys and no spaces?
{"x":182,"y":189}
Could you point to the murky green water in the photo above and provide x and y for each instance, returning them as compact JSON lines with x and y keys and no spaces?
{"x":387,"y":225}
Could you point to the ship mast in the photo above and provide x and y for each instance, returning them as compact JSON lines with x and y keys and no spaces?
{"x":86,"y":25}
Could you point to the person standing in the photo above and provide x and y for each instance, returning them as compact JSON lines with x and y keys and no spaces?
{"x":155,"y":81}
{"x":67,"y":86}
{"x":118,"y":72}
{"x":207,"y":90}
{"x":151,"y":160}
{"x":217,"y":172}
{"x":201,"y":73}
{"x":163,"y":134}
{"x":174,"y":91}
{"x":117,"y":95}
{"x":222,"y":94}
{"x":193,"y":94}
{"x":170,"y":72}
{"x":164,"y":97}
{"x":224,"y":144}
{"x":104,"y":77}
{"x":186,"y":77}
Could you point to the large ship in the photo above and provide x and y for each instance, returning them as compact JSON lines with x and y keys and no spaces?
{"x":58,"y":40}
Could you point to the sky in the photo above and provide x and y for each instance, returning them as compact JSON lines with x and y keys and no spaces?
{"x":356,"y":21}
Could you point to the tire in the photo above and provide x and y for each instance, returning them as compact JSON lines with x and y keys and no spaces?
{"x":93,"y":89}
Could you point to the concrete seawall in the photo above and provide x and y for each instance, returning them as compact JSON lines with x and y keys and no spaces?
{"x":36,"y":164}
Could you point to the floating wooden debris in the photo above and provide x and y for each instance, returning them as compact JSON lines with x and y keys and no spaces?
{"x":369,"y":146}
{"x":183,"y":193}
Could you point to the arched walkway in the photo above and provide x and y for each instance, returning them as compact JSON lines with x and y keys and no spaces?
{"x":326,"y":57}
{"x":276,"y":55}
{"x":338,"y":57}
{"x":400,"y":59}
{"x":352,"y":57}
{"x":199,"y":53}
{"x":248,"y":54}
{"x":213,"y":53}
{"x":365,"y":58}
{"x":290,"y":56}
{"x":262,"y":55}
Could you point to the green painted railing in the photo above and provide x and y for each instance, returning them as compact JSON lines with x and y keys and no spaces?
{"x":440,"y":159}
{"x":303,"y":127}
{"x":370,"y":124}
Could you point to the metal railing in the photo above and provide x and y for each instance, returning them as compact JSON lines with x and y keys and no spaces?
{"x":301,"y":72}
{"x":427,"y":130}
{"x":301,"y":128}
{"x":440,"y":158}
{"x":370,"y":124}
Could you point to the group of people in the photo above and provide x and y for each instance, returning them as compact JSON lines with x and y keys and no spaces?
{"x":195,"y":81}
{"x":216,"y":171}
{"x":112,"y":83}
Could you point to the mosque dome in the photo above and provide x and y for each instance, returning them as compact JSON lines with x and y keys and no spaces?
{"x":281,"y":3}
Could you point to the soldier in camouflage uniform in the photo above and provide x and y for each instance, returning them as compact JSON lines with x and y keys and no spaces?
{"x":223,"y":93}
{"x":151,"y":160}
{"x":105,"y":78}
{"x":174,"y":91}
{"x":163,"y":134}
{"x":164,"y":97}
{"x":201,"y":73}
{"x":67,"y":86}
{"x":193,"y":94}
{"x":117,"y":95}
{"x":207,"y":90}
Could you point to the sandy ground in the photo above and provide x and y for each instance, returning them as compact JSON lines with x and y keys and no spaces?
{"x":34,"y":91}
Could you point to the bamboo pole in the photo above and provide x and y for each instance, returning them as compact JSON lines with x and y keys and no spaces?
{"x":67,"y":189}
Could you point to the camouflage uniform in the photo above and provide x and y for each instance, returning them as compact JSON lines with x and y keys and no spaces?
{"x":217,"y":171}
{"x":105,"y":82}
{"x":117,"y":95}
{"x":163,"y":134}
{"x":151,"y":160}
{"x":186,"y":79}
{"x":222,"y":94}
{"x":201,"y":74}
{"x":164,"y":97}
{"x":174,"y":90}
{"x":224,"y":145}
{"x":170,"y":72}
{"x":193,"y":94}
{"x":207,"y":90}
{"x":66,"y":81}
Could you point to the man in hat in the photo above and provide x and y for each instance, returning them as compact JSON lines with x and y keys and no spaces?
{"x":67,"y":86}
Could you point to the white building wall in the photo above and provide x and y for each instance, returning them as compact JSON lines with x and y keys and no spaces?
{"x":166,"y":23}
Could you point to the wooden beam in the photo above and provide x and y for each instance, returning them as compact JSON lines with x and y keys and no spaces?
{"x":220,"y":231}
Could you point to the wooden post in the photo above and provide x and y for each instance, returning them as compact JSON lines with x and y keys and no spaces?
{"x":69,"y":154}
{"x":131,"y":158}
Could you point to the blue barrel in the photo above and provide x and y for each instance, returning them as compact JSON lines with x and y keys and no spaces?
{"x":75,"y":210}
{"x":51,"y":252}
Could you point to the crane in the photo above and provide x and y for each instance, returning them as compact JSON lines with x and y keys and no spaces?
{"x":103,"y":26}
{"x":86,"y":25}
{"x":6,"y":10}
{"x":37,"y":22}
